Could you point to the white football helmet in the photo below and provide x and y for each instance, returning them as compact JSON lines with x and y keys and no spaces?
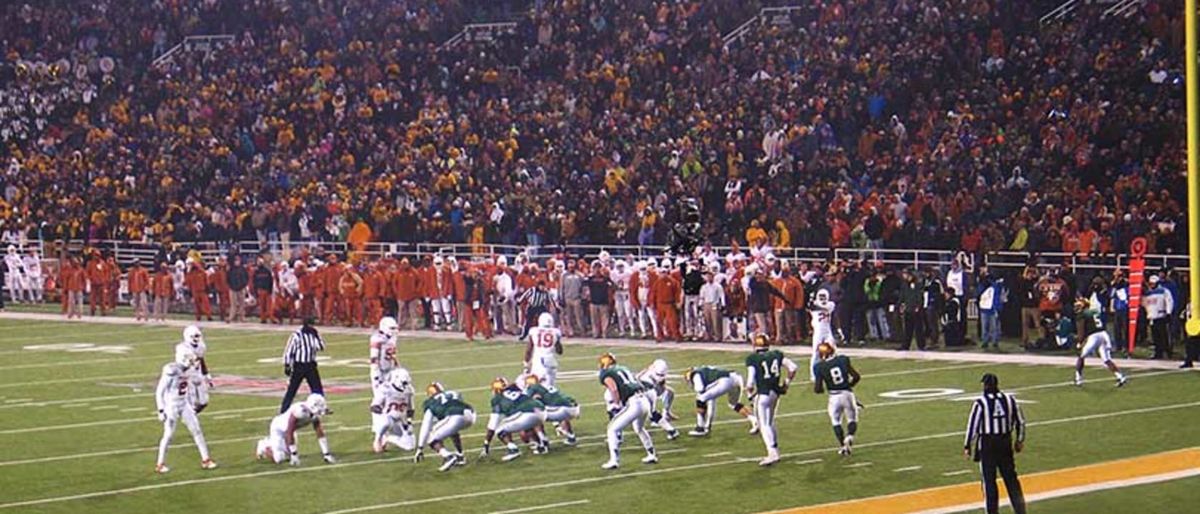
{"x":400,"y":379}
{"x":388,"y":326}
{"x":192,"y":335}
{"x":185,"y":357}
{"x":659,"y":367}
{"x":546,"y":320}
{"x":316,"y":404}
{"x":437,"y":260}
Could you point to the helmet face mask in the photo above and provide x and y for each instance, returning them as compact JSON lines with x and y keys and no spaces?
{"x":659,"y":366}
{"x":607,"y":360}
{"x":826,"y":351}
{"x":400,"y":379}
{"x":192,"y":335}
{"x":316,"y":404}
{"x":388,"y":326}
{"x":434,"y":388}
{"x":532,"y":379}
{"x":499,"y":384}
{"x":185,"y":358}
{"x":760,"y":341}
{"x":546,"y":320}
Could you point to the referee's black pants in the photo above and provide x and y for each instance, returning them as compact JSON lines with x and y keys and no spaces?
{"x":531,"y":316}
{"x":996,"y":454}
{"x":306,"y":372}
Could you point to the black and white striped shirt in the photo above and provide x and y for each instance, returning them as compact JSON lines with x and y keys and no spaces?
{"x":994,"y":414}
{"x":302,"y":348}
{"x":535,"y":298}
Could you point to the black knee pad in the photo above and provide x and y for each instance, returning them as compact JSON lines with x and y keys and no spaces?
{"x":737,"y":407}
{"x":701,"y":405}
{"x":655,"y":416}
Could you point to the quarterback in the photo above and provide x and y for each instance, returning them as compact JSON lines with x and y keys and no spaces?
{"x":514,"y":412}
{"x":769,"y":374}
{"x":630,"y":407}
{"x":560,"y":408}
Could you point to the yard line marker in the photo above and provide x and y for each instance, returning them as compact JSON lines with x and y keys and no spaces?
{"x":672,"y":450}
{"x":106,"y":407}
{"x":75,"y":405}
{"x":718,"y":454}
{"x":809,"y":461}
{"x":859,"y":465}
{"x":135,"y":409}
{"x":543,"y":507}
{"x":19,"y":400}
{"x":548,"y":485}
{"x":226,"y":416}
{"x":909,"y":468}
{"x":957,"y":473}
{"x":74,"y":400}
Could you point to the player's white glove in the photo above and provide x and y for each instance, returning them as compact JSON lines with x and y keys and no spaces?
{"x":295,"y":461}
{"x":419,"y":456}
{"x":486,"y":450}
{"x":162,"y":416}
{"x":209,"y":379}
{"x":329,"y":459}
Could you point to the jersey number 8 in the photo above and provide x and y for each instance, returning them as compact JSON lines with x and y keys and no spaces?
{"x":835,"y":374}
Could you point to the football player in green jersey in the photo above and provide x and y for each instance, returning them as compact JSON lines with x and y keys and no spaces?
{"x":711,"y":383}
{"x":770,"y":374}
{"x":560,"y":408}
{"x":514,"y":412}
{"x":630,"y":407}
{"x":1091,"y":312}
{"x":446,"y":416}
{"x":838,"y":377}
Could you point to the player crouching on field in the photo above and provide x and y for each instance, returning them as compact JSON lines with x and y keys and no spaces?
{"x":446,"y":416}
{"x":175,"y":399}
{"x":628,"y":406}
{"x":710,"y":383}
{"x":515,"y":412}
{"x":769,"y":374}
{"x":1091,"y":311}
{"x":838,"y":377}
{"x":280,"y":444}
{"x":560,"y":408}
{"x":654,"y":377}
{"x":391,"y":412}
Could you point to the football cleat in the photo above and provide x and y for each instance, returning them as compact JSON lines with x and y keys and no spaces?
{"x":448,"y":462}
{"x":611,"y":464}
{"x":848,"y":443}
{"x":698,"y":432}
{"x":208,"y":464}
{"x":378,"y":446}
{"x":462,"y":460}
{"x":541,"y":449}
{"x":511,"y":455}
{"x":260,"y":451}
{"x":1122,"y":381}
{"x":770,"y":459}
{"x":650,"y":458}
{"x":162,"y":469}
{"x":571,"y":440}
{"x":754,"y":429}
{"x":672,"y":435}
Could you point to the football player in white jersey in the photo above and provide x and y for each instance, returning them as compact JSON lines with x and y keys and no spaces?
{"x":383,"y":349}
{"x":15,"y":277}
{"x":174,"y":399}
{"x":392,"y":411}
{"x":34,"y":281}
{"x":280,"y":443}
{"x":710,"y":383}
{"x":543,"y":349}
{"x":1098,"y":342}
{"x":655,"y":379}
{"x":201,"y":379}
{"x":821,"y":309}
{"x":623,"y":304}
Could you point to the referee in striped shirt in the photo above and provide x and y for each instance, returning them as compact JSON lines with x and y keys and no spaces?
{"x":300,"y":362}
{"x":994,"y":418}
{"x":537,"y":300}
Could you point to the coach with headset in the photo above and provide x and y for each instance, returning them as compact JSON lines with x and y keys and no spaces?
{"x":994,"y":418}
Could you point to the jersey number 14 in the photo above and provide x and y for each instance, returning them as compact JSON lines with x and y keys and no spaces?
{"x":770,"y":369}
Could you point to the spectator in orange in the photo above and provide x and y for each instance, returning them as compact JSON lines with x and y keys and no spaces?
{"x":458,"y":292}
{"x":164,"y":288}
{"x":333,"y":298}
{"x":350,"y":287}
{"x":197,"y":284}
{"x":139,"y":290}
{"x":97,"y":276}
{"x":74,"y":281}
{"x":373,"y":284}
{"x":665,"y":295}
{"x":476,"y":298}
{"x":114,"y":282}
{"x":407,"y":285}
{"x":316,"y":283}
{"x":304,"y":281}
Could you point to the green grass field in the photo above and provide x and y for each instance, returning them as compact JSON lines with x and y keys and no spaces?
{"x":78,"y":431}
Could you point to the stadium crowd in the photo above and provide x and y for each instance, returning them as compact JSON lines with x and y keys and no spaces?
{"x":971,"y":127}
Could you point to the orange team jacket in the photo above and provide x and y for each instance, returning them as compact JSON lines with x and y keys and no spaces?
{"x":406,"y":284}
{"x":664,"y":290}
{"x":333,"y":278}
{"x":372,"y":287}
{"x":304,"y":281}
{"x":316,"y":282}
{"x":458,"y":286}
{"x":139,"y":280}
{"x":196,"y":280}
{"x":163,"y":284}
{"x":220,"y":280}
{"x":429,"y":283}
{"x":97,"y":273}
{"x":794,"y":291}
{"x":74,"y":279}
{"x":778,"y":303}
{"x":350,"y":283}
{"x":525,"y":280}
{"x":635,"y":282}
{"x":444,"y":281}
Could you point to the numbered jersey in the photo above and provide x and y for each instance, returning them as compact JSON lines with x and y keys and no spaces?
{"x":550,"y":396}
{"x":627,"y":384}
{"x":445,"y":403}
{"x":835,"y":373}
{"x":822,"y":311}
{"x":199,"y":348}
{"x":652,"y":379}
{"x":391,"y":402}
{"x":383,"y":352}
{"x":1092,"y":316}
{"x":544,"y":340}
{"x":513,"y":401}
{"x":298,"y":412}
{"x":173,"y":386}
{"x":768,"y":368}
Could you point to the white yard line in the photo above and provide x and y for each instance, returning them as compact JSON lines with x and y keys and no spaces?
{"x":1083,"y":489}
{"x":135,"y":409}
{"x":18,"y":400}
{"x":106,"y":407}
{"x":543,"y":507}
{"x":957,"y":473}
{"x":718,"y":454}
{"x":905,"y":469}
{"x":75,"y":400}
{"x":809,"y":461}
{"x":547,"y":485}
{"x":1015,"y":358}
{"x":859,"y":465}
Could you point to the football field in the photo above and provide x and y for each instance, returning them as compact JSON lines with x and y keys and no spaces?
{"x":78,"y":433}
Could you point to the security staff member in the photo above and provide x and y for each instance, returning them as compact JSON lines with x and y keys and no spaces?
{"x":300,"y":362}
{"x":994,"y":418}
